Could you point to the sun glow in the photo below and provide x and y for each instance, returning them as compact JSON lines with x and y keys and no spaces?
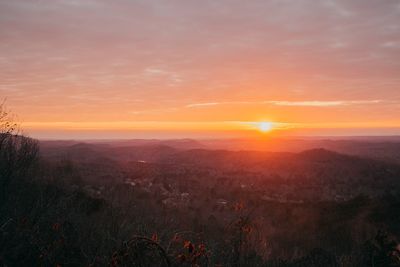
{"x":265,"y":126}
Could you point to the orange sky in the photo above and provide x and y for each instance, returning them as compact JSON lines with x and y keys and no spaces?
{"x":155,"y":68}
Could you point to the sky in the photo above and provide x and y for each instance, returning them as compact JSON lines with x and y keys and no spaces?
{"x":189,"y":68}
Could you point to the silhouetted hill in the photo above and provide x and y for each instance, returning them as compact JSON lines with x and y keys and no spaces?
{"x":85,"y":201}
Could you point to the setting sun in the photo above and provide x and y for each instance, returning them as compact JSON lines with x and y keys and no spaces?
{"x":265,"y":126}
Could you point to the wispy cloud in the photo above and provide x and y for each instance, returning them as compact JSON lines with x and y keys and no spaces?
{"x":195,"y":105}
{"x":310,"y":103}
{"x":316,"y":103}
{"x":152,"y":111}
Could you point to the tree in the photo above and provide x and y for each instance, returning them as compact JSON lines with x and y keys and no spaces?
{"x":17,"y":152}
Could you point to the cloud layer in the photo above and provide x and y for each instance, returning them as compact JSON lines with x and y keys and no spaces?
{"x":100,"y":60}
